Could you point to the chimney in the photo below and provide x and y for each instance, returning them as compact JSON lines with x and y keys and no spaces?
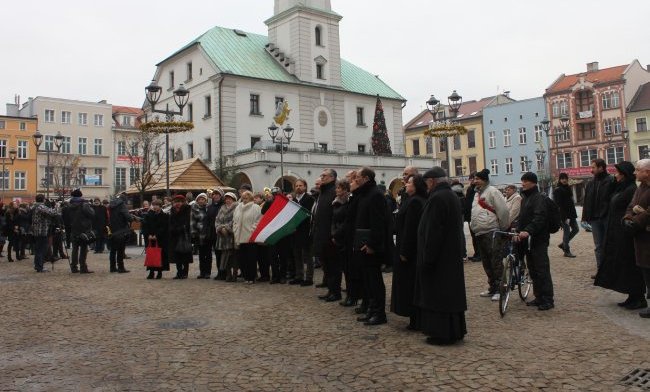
{"x":12,"y":110}
{"x":592,"y":67}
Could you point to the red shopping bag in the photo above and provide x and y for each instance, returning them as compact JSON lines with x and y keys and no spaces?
{"x":153,"y":255}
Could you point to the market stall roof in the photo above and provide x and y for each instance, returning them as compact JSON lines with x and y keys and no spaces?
{"x":186,"y":175}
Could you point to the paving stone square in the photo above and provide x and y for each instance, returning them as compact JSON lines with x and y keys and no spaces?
{"x":120,"y":332}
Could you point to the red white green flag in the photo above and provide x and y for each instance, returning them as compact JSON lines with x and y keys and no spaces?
{"x":281,"y":219}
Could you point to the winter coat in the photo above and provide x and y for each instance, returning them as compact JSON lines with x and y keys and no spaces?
{"x":120,"y":218}
{"x":489,"y":211}
{"x":224,"y":220}
{"x":440,"y":279}
{"x":468,"y":201}
{"x":157,"y":223}
{"x":597,"y":194}
{"x":83,"y":214}
{"x":339,"y":214}
{"x":180,"y":231}
{"x":641,"y":225}
{"x":514,"y":207}
{"x":100,"y":220}
{"x":213,"y":211}
{"x":407,"y":221}
{"x":42,"y":218}
{"x":199,"y":223}
{"x":533,"y":217}
{"x":301,"y":236}
{"x":563,"y":197}
{"x":372,"y":214}
{"x":322,"y":219}
{"x":618,"y":270}
{"x":245,"y":220}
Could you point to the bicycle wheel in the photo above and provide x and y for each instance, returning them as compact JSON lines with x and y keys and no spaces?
{"x":525,"y":283}
{"x":506,"y":285}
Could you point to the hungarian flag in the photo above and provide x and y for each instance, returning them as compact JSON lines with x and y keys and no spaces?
{"x":281,"y":219}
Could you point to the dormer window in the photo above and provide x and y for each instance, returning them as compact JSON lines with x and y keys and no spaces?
{"x":317,"y":34}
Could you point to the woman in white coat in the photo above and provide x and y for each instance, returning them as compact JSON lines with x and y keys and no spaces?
{"x":245,"y":219}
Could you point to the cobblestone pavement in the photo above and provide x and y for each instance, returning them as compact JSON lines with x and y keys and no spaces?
{"x":110,"y":332}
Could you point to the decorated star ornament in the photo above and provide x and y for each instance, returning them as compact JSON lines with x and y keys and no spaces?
{"x":167,"y":126}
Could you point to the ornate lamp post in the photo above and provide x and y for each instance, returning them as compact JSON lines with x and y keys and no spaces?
{"x":563,"y":130}
{"x":287,"y":133}
{"x":12,"y":157}
{"x":181,"y":95}
{"x":610,"y":135}
{"x":443,"y":130}
{"x":38,"y":140}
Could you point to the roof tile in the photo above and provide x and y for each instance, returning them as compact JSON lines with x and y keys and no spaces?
{"x":601,"y":76}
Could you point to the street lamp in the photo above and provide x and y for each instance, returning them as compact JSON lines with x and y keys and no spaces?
{"x":12,"y":157}
{"x":434,"y":105}
{"x":609,"y":135}
{"x":37,"y":138}
{"x":153,"y":92}
{"x":287,"y":133}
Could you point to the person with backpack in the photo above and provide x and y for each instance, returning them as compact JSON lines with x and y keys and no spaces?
{"x":563,"y":197}
{"x":533,"y":241}
{"x":82,"y":213}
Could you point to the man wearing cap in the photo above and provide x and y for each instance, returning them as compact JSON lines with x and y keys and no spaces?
{"x":489,"y":214}
{"x":440,"y":281}
{"x":534,"y":238}
{"x":213,"y":210}
{"x":563,"y":197}
{"x":200,"y":231}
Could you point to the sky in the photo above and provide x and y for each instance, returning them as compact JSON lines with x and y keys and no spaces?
{"x":86,"y":50}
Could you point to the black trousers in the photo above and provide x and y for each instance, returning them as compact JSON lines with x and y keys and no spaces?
{"x":540,"y":271}
{"x":116,"y":257}
{"x":182,"y":269}
{"x":266,"y":255}
{"x":335,"y":273}
{"x":278,"y":263}
{"x":79,"y":254}
{"x":247,"y":257}
{"x":373,"y":282}
{"x":205,"y":258}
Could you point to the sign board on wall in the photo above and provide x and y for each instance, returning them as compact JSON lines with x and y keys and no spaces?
{"x":92,"y":179}
{"x":584,"y":171}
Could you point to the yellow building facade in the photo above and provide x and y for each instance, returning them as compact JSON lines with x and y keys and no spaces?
{"x":19,"y":180}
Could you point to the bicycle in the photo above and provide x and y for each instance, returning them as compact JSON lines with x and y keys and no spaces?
{"x":514,"y":274}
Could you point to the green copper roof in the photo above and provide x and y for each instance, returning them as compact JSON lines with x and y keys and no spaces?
{"x":244,"y":54}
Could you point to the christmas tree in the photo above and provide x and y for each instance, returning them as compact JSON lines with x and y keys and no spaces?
{"x":380,"y":141}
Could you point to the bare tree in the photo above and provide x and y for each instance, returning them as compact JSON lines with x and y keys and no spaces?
{"x":143,"y":159}
{"x":65,"y":173}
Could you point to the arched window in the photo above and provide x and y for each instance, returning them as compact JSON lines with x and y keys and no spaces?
{"x":317,"y":33}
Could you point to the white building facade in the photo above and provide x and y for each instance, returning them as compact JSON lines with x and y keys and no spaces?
{"x":236,"y":80}
{"x":87,"y":139}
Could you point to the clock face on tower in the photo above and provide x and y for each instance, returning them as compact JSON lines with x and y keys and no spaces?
{"x":322,"y":118}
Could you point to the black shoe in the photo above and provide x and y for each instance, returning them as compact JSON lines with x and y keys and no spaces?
{"x":113,"y":269}
{"x":283,"y":281}
{"x":295,"y":281}
{"x":377,"y":319}
{"x":159,"y":275}
{"x":364,"y":318}
{"x":321,"y":285}
{"x":123,"y":271}
{"x":325,"y":296}
{"x":274,"y":281}
{"x":561,"y":246}
{"x":86,"y":271}
{"x":306,"y":283}
{"x":534,"y":302}
{"x":150,"y":276}
{"x":626,"y":302}
{"x":177,"y":277}
{"x":361,"y":310}
{"x":412,"y":327}
{"x":569,"y":254}
{"x":348,"y":302}
{"x":638,"y":304}
{"x":10,"y":260}
{"x":74,"y":270}
{"x":333,"y":298}
{"x":126,"y":257}
{"x":263,"y":279}
{"x":545,"y":306}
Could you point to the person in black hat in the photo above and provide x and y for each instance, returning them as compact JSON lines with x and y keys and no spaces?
{"x":82,"y":214}
{"x":534,"y":238}
{"x":618,"y":270}
{"x":563,"y":197}
{"x":440,"y":297}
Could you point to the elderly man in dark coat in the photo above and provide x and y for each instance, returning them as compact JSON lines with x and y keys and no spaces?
{"x":637,"y":220}
{"x":440,"y":280}
{"x":321,"y":233}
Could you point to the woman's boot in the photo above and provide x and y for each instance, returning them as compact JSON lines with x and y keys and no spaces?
{"x":150,"y":276}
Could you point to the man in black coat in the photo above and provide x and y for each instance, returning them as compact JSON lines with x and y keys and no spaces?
{"x":596,"y":204}
{"x":534,"y":237}
{"x":120,"y":225}
{"x":100,"y":221}
{"x":323,"y":246}
{"x":82,"y":213}
{"x":304,"y":264}
{"x":563,"y":197}
{"x":371,"y":243}
{"x":440,"y":282}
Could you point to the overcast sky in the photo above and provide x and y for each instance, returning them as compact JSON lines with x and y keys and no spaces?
{"x":87,"y":50}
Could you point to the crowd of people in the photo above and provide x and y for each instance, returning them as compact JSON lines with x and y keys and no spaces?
{"x":356,"y":229}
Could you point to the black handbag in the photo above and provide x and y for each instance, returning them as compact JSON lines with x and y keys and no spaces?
{"x":184,"y":245}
